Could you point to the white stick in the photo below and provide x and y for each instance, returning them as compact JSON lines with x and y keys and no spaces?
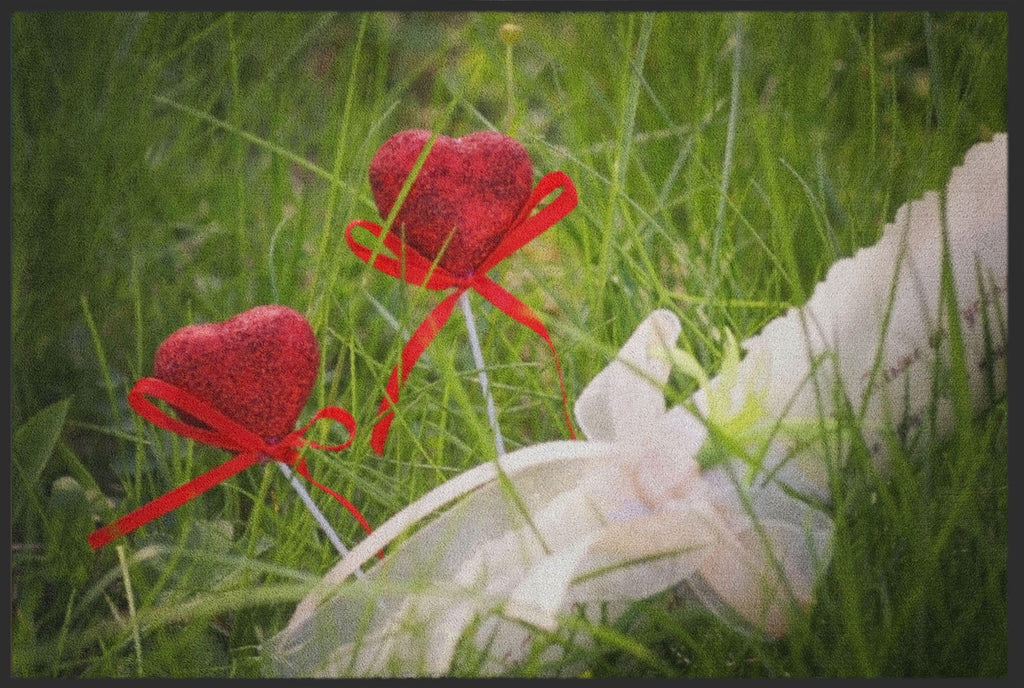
{"x":478,"y":358}
{"x":317,"y":514}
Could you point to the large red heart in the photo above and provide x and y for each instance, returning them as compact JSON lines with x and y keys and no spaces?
{"x":256,"y":368}
{"x":476,"y":185}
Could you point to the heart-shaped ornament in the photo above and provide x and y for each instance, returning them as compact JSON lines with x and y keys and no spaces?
{"x":475,"y":185}
{"x":256,"y":368}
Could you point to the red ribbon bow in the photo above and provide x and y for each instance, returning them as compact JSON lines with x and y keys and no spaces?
{"x":409,"y":265}
{"x":221,"y":432}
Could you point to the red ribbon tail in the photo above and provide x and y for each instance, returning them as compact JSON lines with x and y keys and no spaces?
{"x":524,"y":315}
{"x":302,"y":469}
{"x":379,"y":435}
{"x":414,"y":348}
{"x":172,"y":500}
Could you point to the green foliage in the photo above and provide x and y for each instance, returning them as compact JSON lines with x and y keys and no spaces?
{"x":34,"y":442}
{"x":172,"y":168}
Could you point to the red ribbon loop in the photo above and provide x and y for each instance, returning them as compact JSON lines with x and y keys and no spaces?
{"x":407,"y":264}
{"x":220,"y":431}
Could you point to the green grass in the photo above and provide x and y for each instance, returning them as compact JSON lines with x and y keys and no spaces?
{"x":176,"y":168}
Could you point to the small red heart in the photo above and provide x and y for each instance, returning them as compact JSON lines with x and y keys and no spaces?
{"x":256,"y":368}
{"x":477,"y":184}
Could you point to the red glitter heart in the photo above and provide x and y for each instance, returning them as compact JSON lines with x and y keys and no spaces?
{"x":256,"y":368}
{"x":476,"y":184}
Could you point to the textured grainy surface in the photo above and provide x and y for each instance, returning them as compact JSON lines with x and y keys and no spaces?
{"x":477,"y":184}
{"x":257,"y":368}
